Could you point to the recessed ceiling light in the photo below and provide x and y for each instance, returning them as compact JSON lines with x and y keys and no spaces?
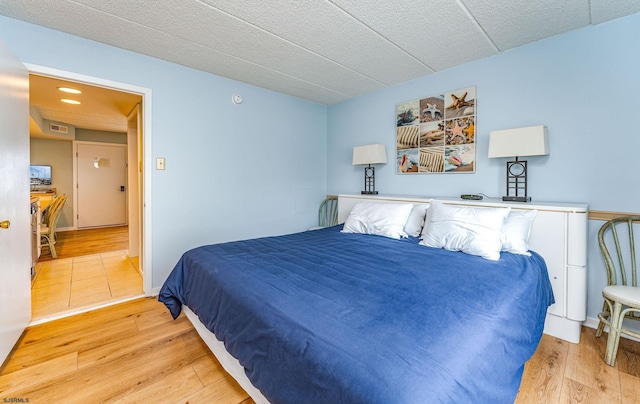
{"x":68,"y":101}
{"x":69,"y":90}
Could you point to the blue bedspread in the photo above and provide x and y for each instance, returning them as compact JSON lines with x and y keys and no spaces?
{"x":329,"y":317}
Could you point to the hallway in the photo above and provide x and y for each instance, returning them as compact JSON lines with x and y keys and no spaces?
{"x":92,"y":268}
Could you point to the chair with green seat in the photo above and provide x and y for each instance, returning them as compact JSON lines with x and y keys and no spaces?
{"x":622,"y":294}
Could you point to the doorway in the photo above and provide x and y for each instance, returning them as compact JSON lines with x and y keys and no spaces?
{"x":138,"y":243}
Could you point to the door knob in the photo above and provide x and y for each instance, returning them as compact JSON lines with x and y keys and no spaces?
{"x":5,"y":224}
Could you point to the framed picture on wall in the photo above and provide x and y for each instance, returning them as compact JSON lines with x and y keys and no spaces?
{"x":437,"y":134}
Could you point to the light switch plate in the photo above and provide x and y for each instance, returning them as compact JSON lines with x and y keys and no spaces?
{"x":160,"y":163}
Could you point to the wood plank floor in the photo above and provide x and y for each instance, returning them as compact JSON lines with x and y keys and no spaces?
{"x":130,"y":352}
{"x":76,"y":243}
{"x":562,"y":372}
{"x":135,"y":352}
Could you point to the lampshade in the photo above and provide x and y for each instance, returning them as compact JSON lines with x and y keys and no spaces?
{"x":529,"y":141}
{"x":369,"y":154}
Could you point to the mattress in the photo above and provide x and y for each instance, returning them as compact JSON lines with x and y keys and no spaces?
{"x":324,"y":316}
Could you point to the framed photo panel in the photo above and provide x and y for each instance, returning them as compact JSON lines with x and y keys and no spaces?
{"x":437,"y":134}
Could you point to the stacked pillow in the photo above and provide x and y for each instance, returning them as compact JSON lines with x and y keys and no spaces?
{"x":475,"y":231}
{"x":381,"y":219}
{"x":516,"y":231}
{"x":415,"y":222}
{"x":478,"y":231}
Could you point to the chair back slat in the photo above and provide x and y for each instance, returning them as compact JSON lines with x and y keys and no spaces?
{"x":626,"y":257}
{"x":51,"y":208}
{"x":328,"y":212}
{"x":53,"y":221}
{"x":616,"y":240}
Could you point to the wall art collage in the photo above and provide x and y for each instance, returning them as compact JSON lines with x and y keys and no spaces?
{"x":436,"y":134}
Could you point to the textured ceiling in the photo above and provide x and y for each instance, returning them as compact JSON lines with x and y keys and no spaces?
{"x":325,"y":51}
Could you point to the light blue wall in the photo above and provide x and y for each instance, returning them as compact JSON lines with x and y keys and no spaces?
{"x":233,"y":172}
{"x":583,"y":86}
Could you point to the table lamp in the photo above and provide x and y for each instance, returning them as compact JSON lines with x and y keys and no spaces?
{"x":529,"y":141}
{"x":369,"y":154}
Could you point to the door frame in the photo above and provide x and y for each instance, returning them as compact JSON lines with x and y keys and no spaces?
{"x":145,"y":203}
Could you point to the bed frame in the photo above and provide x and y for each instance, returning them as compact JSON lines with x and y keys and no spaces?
{"x":559,"y":234}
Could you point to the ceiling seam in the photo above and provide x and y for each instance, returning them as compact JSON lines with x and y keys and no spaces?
{"x":218,"y":51}
{"x":293,"y":43}
{"x":478,"y":25}
{"x":382,"y":36}
{"x":262,"y":66}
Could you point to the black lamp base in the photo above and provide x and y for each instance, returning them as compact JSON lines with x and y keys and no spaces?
{"x":516,"y":198}
{"x":369,"y":181}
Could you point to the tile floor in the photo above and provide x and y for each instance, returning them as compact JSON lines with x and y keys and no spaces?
{"x":69,"y":284}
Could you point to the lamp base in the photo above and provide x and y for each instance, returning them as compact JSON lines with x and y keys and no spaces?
{"x":369,"y":192}
{"x":516,"y":198}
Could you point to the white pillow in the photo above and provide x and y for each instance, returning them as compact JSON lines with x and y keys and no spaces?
{"x":475,"y":231}
{"x":381,"y":219}
{"x":415,"y":222}
{"x":516,"y":231}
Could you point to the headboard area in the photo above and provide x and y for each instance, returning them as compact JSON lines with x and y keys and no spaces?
{"x":558,"y":234}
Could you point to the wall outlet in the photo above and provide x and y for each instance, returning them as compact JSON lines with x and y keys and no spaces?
{"x":160,"y":163}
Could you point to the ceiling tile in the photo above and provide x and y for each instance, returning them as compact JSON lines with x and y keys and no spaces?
{"x":512,"y":23}
{"x":605,"y":10}
{"x":332,"y":33}
{"x":440,"y":33}
{"x":212,"y":29}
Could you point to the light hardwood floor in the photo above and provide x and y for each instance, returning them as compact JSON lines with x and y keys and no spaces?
{"x":562,"y":372}
{"x":129,"y":353}
{"x":76,"y":243}
{"x":135,"y":352}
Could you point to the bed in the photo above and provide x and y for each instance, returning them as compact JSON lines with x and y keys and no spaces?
{"x":334,"y":316}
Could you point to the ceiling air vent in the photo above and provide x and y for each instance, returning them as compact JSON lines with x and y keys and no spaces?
{"x":58,"y":128}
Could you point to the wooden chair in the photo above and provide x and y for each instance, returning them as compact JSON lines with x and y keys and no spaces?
{"x":328,"y":212}
{"x":46,"y":213}
{"x":621,"y":295}
{"x":48,"y":229}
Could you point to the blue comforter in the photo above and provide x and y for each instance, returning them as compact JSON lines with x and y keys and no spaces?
{"x":330,"y":317}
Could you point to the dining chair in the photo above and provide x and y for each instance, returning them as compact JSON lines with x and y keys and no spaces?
{"x":48,"y":229}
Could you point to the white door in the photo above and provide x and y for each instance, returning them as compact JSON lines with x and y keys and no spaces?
{"x":15,"y":241}
{"x":102,"y":179}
